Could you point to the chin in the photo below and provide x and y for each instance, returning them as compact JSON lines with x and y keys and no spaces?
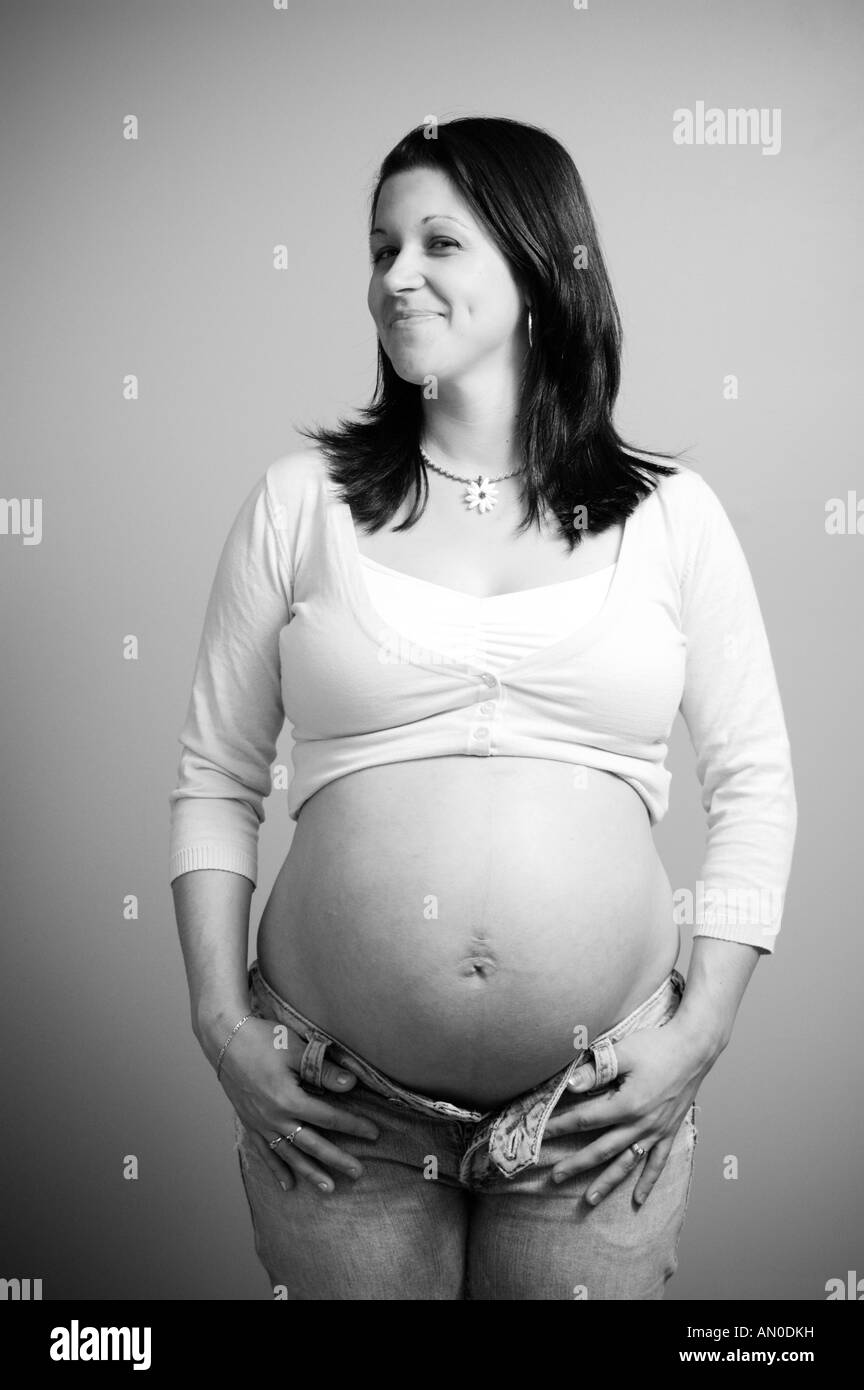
{"x":413,"y":372}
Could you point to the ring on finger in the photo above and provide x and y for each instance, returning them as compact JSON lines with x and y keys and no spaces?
{"x":289,"y":1138}
{"x":638,"y":1150}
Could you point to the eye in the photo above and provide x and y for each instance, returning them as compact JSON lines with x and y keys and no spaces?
{"x":385,"y":250}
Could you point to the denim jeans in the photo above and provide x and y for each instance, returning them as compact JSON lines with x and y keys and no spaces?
{"x":459,"y":1204}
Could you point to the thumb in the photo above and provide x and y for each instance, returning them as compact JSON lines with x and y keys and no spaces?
{"x":337,"y":1078}
{"x":583,"y":1078}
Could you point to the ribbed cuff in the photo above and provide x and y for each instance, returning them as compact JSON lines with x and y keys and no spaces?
{"x":747,"y":933}
{"x":213,"y":855}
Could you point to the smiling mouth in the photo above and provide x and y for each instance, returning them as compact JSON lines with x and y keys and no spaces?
{"x":412,"y":318}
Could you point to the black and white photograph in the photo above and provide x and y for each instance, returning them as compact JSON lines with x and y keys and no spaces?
{"x":431,"y":536}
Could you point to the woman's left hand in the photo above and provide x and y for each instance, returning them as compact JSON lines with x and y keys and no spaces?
{"x":659,"y":1072}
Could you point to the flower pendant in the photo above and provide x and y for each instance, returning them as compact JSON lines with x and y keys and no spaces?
{"x":481,"y":495}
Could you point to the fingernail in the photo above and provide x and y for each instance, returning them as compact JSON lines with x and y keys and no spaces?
{"x":283,"y":1185}
{"x":558,"y":1177}
{"x":325,"y":1186}
{"x":353,"y":1172}
{"x":343,"y":1080}
{"x":593,"y":1198}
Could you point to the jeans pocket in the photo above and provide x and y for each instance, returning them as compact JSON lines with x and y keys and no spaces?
{"x":692,"y":1129}
{"x":254,"y":1169}
{"x":691,"y":1135}
{"x":243,"y":1157}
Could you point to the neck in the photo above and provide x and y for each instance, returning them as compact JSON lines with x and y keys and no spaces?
{"x":471,"y":428}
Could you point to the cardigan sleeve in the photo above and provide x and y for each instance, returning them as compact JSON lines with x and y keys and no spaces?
{"x":235,"y":713}
{"x":734,"y":716}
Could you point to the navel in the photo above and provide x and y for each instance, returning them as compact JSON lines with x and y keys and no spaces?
{"x":478,"y":964}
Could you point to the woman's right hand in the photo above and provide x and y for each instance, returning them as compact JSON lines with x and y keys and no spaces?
{"x":262,"y":1082}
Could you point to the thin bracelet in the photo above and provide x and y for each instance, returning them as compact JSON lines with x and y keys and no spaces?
{"x":228,"y":1041}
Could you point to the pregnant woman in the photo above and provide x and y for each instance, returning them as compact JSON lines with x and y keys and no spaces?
{"x":464,"y":1064}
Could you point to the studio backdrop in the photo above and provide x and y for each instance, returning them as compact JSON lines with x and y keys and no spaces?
{"x":185,"y":283}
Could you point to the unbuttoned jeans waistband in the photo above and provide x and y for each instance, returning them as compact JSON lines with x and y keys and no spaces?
{"x":513,"y":1135}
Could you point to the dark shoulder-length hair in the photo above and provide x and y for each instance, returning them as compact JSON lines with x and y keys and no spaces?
{"x":525,"y":190}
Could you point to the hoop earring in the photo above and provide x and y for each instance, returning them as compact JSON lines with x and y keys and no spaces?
{"x":530,"y":329}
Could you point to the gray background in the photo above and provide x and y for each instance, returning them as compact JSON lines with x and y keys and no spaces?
{"x":155,"y":257}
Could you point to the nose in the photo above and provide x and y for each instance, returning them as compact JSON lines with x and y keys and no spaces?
{"x":401,"y":273}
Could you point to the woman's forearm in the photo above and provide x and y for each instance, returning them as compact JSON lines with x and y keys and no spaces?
{"x":212,"y":911}
{"x":716,"y":980}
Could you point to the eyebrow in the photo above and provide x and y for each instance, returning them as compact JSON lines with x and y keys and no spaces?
{"x":433,"y":217}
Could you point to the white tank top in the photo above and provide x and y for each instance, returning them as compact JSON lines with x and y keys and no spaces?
{"x":498,"y":629}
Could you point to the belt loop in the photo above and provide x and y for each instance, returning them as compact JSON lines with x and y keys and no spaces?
{"x":605,"y":1062}
{"x":312,"y":1063}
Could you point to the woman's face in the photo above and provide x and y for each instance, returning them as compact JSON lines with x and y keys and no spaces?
{"x":435,"y":265}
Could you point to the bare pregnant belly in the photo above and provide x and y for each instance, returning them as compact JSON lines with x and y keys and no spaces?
{"x":454,"y":920}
